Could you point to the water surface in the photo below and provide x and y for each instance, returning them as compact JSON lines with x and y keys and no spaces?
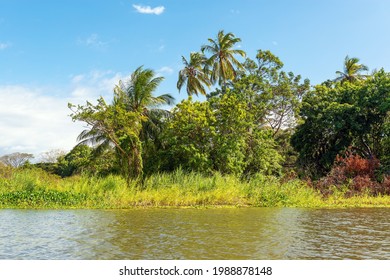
{"x":254,"y":233}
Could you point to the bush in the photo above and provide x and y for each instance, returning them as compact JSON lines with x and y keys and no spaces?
{"x":354,"y":172}
{"x":6,"y":171}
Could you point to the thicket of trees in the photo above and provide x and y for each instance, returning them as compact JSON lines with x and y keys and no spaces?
{"x":256,"y":118}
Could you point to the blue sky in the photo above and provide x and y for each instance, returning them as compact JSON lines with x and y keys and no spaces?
{"x":55,"y":52}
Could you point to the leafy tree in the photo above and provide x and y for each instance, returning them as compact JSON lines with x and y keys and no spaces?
{"x":284,"y":101}
{"x":273,"y":95}
{"x":347,"y":115}
{"x":16,"y":159}
{"x":262,"y":155}
{"x":75,"y":162}
{"x":241,"y":145}
{"x":232,"y":125}
{"x":352,"y":70}
{"x":193,"y":75}
{"x":222,"y":60}
{"x":188,"y":137}
{"x":120,"y":127}
{"x":266,"y":66}
{"x":219,"y":135}
{"x":137,"y":94}
{"x":385,"y":145}
{"x":135,"y":104}
{"x":82,"y":159}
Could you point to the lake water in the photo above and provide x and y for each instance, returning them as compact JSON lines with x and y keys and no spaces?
{"x":253,"y":233}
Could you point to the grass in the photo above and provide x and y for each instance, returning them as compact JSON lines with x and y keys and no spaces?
{"x":35,"y":188}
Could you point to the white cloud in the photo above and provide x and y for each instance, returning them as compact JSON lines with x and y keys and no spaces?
{"x":165,"y":70}
{"x":77,"y":78}
{"x":149,"y":10}
{"x":274,"y":43}
{"x":90,"y":86}
{"x":3,"y":46}
{"x":33,"y":121}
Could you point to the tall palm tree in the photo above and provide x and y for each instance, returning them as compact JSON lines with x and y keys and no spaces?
{"x":193,"y":74}
{"x":222,"y":60}
{"x":352,"y":70}
{"x":137,"y":94}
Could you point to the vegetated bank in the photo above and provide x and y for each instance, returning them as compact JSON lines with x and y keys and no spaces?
{"x":262,"y":137}
{"x":35,"y":188}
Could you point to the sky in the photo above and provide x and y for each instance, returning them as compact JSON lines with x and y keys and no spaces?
{"x":55,"y":52}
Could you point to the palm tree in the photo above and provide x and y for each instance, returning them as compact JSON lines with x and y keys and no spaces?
{"x":193,"y":74}
{"x":222,"y":60}
{"x":352,"y":70}
{"x":137,"y":94}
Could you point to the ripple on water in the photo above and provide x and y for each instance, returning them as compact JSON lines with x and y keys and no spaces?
{"x":255,"y":233}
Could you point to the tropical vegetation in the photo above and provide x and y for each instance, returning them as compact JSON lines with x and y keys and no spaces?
{"x":260,"y":137}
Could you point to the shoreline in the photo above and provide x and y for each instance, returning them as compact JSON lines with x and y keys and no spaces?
{"x":37,"y":189}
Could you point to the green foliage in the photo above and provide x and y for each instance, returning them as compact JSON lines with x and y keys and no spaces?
{"x":352,"y":71}
{"x":261,"y":154}
{"x":268,"y":191}
{"x":222,"y":61}
{"x":346,"y":115}
{"x":385,"y":145}
{"x":130,"y":125}
{"x":83,"y":159}
{"x":35,"y":188}
{"x":232,"y":126}
{"x":193,"y":75}
{"x":188,"y":136}
{"x":219,"y":135}
{"x":41,"y":198}
{"x":75,"y":162}
{"x":5,"y":171}
{"x":118,"y":126}
{"x":274,"y":96}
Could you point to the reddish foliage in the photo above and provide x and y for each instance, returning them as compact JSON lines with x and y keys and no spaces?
{"x":291,"y":175}
{"x":354,"y":165}
{"x":384,"y":188}
{"x":355,"y":172}
{"x":362,"y":183}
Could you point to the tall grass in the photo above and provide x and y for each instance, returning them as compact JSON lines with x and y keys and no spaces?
{"x":35,"y":188}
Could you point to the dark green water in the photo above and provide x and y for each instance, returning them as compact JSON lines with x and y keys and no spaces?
{"x":255,"y":233}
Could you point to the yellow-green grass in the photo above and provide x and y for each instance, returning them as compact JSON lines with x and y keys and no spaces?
{"x":35,"y":188}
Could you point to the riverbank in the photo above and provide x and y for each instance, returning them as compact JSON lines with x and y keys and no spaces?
{"x":35,"y":188}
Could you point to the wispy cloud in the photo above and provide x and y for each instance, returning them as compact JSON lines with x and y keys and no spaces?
{"x":149,"y":10}
{"x":165,"y":70}
{"x":93,"y":41}
{"x":89,"y":86}
{"x":3,"y":46}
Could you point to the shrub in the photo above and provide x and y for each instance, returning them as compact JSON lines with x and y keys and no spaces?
{"x":355,"y":173}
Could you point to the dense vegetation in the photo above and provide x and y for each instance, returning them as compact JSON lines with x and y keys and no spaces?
{"x":262,"y":137}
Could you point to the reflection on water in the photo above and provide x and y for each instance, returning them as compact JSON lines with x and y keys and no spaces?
{"x":254,"y":233}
